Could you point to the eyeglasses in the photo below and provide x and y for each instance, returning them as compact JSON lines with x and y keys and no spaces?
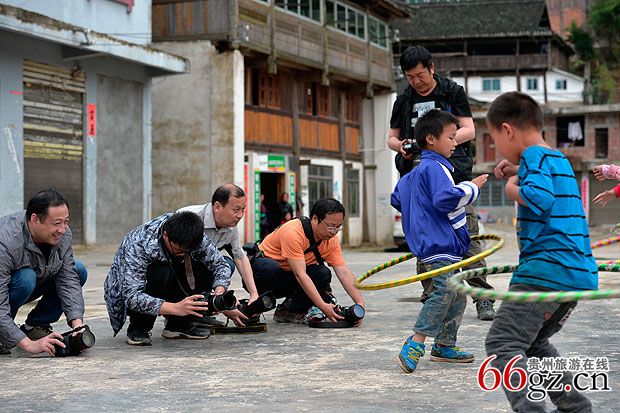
{"x":332,"y":228}
{"x":176,"y":251}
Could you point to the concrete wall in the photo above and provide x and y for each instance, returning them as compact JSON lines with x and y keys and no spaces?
{"x":104,"y":16}
{"x":11,"y":130}
{"x":121,"y":122}
{"x":381,"y":180}
{"x":198,"y":127}
{"x":119,"y":158}
{"x":228,"y":126}
{"x":182,"y":162}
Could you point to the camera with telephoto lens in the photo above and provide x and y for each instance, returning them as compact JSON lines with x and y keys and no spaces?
{"x":264,"y":302}
{"x":352,"y":313}
{"x":218,"y":303}
{"x":83,"y":339}
{"x":410,"y":147}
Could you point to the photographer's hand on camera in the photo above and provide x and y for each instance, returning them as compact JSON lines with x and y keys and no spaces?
{"x":330,"y":312}
{"x":45,"y":344}
{"x":253,"y":297}
{"x":236,"y":316}
{"x":187,"y":306}
{"x":403,"y":151}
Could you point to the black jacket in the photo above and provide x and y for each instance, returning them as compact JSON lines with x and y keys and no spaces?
{"x":450,"y":97}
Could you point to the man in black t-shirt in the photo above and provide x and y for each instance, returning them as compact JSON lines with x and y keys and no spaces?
{"x":428,"y":91}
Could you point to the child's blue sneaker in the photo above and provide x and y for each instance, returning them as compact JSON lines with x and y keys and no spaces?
{"x":410,"y":355}
{"x":450,"y":354}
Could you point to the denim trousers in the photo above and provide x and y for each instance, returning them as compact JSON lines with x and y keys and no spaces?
{"x":442,"y":312}
{"x":474,"y":249}
{"x":524,"y":329}
{"x":24,"y":289}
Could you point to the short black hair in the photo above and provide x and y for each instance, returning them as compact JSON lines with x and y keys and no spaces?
{"x":224,"y":192}
{"x":432,"y":123}
{"x":184,"y":229}
{"x":413,"y":56}
{"x":515,"y":108}
{"x":42,"y":201}
{"x":326,"y":206}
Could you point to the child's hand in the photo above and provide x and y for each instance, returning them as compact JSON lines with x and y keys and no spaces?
{"x":604,"y":197}
{"x":598,"y":174}
{"x":479,"y":181}
{"x":513,"y":180}
{"x":505,"y":169}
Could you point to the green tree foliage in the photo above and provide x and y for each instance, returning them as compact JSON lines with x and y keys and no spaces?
{"x":605,"y":18}
{"x":582,"y":42}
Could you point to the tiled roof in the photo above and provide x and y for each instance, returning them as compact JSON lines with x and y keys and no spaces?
{"x":476,"y":19}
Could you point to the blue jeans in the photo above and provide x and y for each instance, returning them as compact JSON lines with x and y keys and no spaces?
{"x":442,"y":312}
{"x":23,"y":289}
{"x":230,"y":263}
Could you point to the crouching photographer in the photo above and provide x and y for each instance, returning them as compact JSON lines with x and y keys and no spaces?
{"x":167,"y":267}
{"x":36,"y":261}
{"x":291,"y":264}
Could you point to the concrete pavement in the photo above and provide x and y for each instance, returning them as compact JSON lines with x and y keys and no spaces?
{"x":292,"y":367}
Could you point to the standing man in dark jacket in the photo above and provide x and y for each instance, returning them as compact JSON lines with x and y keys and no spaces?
{"x":36,"y":260}
{"x":428,"y":91}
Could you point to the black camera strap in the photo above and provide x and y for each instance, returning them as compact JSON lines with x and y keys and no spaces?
{"x":314,"y":246}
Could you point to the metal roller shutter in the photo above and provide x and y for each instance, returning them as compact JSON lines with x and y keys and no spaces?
{"x":53,"y":135}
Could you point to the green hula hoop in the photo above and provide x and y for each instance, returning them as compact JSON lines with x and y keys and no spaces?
{"x":456,"y":283}
{"x":428,"y":274}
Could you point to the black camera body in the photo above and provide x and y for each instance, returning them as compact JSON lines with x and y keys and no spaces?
{"x":410,"y":147}
{"x":75,"y":343}
{"x":352,"y":313}
{"x":265,"y":302}
{"x":218,"y":303}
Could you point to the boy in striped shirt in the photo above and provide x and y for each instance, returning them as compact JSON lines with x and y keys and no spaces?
{"x":554,"y":245}
{"x":433,"y":210}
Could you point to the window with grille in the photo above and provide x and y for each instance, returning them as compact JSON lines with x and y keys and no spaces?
{"x":320,"y":182}
{"x":493,"y":194}
{"x":353,"y":192}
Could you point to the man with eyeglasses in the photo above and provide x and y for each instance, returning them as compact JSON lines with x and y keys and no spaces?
{"x":289,"y":266}
{"x":165,"y":267}
{"x":220,"y":218}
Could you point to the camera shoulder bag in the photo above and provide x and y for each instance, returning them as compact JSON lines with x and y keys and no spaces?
{"x":314,"y":246}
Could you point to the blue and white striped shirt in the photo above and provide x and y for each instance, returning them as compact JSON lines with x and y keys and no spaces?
{"x":433,"y":209}
{"x":553,"y":232}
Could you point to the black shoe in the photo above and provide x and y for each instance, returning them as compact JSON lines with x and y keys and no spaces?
{"x":138,"y":336}
{"x":485,"y":310}
{"x":36,"y":332}
{"x":284,"y":315}
{"x":194,"y":331}
{"x":209,"y":321}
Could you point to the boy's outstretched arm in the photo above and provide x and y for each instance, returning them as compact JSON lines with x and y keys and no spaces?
{"x":512,"y":190}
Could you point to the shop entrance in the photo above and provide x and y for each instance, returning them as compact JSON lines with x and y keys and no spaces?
{"x":272,"y":184}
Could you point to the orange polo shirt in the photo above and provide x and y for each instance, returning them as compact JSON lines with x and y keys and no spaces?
{"x":290,"y":242}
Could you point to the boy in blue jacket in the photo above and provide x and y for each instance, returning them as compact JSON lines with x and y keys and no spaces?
{"x":433,"y":211}
{"x":554,"y":244}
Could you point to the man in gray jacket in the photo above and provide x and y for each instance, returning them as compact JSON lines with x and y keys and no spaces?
{"x":163,"y":267}
{"x":220,"y":218}
{"x":36,"y":260}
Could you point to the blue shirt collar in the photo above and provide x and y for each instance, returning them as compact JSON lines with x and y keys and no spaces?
{"x":432,"y":155}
